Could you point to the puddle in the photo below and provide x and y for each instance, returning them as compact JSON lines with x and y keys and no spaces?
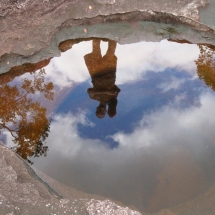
{"x":133,"y":123}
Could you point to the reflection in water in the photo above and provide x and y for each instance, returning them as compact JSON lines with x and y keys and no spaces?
{"x":103,"y":74}
{"x":24,"y":118}
{"x":206,"y":66}
{"x":22,"y":69}
{"x":181,"y":179}
{"x":163,"y":151}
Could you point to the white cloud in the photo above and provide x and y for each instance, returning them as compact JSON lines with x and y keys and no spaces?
{"x":174,"y":83}
{"x":170,"y":126}
{"x":136,"y":59}
{"x":165,"y":126}
{"x":70,"y":67}
{"x":8,"y":138}
{"x":180,"y":97}
{"x":64,"y":134}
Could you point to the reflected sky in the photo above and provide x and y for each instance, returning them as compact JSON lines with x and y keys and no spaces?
{"x":158,"y":151}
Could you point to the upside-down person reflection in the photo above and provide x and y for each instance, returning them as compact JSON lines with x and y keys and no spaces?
{"x":103,"y":74}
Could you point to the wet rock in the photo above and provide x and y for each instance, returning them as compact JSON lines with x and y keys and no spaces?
{"x":32,"y":30}
{"x":19,"y":70}
{"x":107,"y":207}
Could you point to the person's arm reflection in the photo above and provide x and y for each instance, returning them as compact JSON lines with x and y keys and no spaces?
{"x":103,"y":74}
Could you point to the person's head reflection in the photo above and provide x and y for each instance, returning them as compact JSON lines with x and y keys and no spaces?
{"x":103,"y":73}
{"x":101,"y":110}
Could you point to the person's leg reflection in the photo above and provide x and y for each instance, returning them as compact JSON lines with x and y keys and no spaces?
{"x":93,"y":59}
{"x":111,"y":48}
{"x":96,"y":47}
{"x":112,"y":107}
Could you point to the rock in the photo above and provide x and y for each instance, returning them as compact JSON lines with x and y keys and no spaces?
{"x":105,"y":1}
{"x":32,"y":30}
{"x":19,"y":70}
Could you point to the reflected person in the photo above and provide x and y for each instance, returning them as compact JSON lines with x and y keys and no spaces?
{"x":103,"y":73}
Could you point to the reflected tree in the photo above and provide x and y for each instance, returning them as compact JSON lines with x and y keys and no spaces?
{"x":206,"y":65}
{"x":23,"y":117}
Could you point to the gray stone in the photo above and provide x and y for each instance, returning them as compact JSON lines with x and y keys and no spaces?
{"x":105,"y":1}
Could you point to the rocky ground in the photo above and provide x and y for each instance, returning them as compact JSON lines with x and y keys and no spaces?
{"x":32,"y":30}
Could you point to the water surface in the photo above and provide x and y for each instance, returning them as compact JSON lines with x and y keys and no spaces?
{"x":133,"y":122}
